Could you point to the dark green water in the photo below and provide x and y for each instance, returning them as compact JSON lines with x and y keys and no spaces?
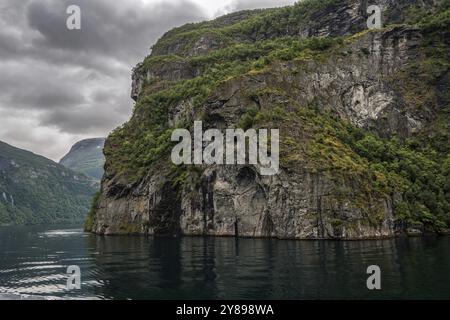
{"x":34,"y":260}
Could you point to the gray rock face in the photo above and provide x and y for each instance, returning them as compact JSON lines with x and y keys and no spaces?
{"x":356,"y":83}
{"x":237,"y":201}
{"x":301,"y":205}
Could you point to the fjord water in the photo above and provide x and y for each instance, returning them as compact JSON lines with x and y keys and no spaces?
{"x":34,"y":261}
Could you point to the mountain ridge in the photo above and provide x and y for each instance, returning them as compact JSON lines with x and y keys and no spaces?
{"x":36,"y":190}
{"x":86,"y":156}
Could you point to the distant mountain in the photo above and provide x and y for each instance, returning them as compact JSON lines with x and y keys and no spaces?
{"x":86,"y":157}
{"x":35,"y":190}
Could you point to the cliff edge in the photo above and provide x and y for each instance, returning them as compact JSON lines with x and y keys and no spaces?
{"x":363,"y":118}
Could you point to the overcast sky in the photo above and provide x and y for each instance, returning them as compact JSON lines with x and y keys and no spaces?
{"x":59,"y":86}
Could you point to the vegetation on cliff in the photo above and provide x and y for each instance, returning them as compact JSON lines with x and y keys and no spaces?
{"x":412,"y":169}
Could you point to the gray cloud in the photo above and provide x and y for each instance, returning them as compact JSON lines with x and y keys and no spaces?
{"x":58,"y":86}
{"x":124,"y":30}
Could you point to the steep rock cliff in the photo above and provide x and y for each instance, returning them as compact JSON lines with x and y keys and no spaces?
{"x":363,"y":119}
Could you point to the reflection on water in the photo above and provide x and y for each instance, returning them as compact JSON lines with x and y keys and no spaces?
{"x":60,"y":233}
{"x":34,"y":261}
